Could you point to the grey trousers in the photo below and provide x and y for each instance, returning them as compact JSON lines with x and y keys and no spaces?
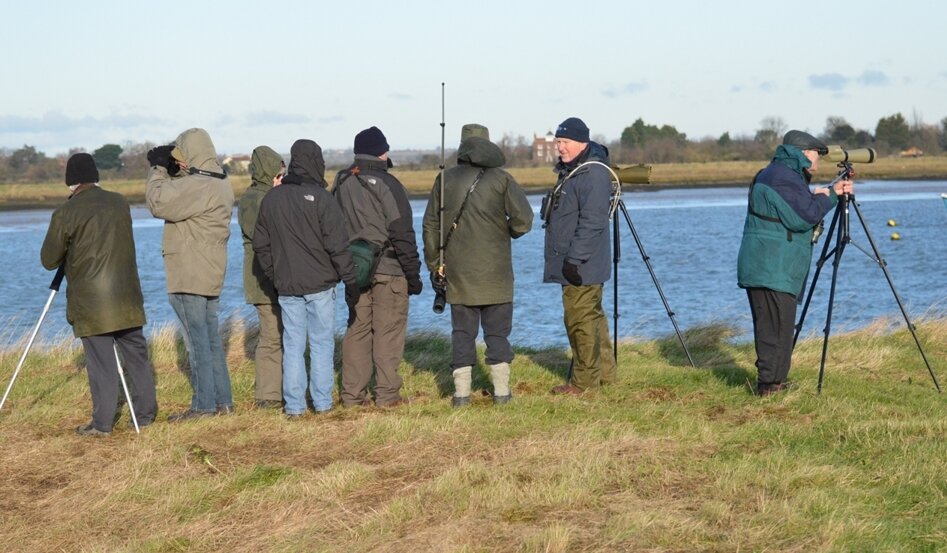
{"x":268,"y":356}
{"x":104,"y":382}
{"x":496,"y":321}
{"x":376,"y":337}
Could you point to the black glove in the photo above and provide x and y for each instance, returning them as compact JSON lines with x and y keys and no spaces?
{"x":160,"y":156}
{"x":352,"y":293}
{"x":438,"y":283}
{"x":415,"y":285}
{"x":571,"y":273}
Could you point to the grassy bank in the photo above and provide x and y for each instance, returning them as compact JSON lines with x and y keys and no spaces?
{"x":419,"y":182}
{"x":669,"y":459}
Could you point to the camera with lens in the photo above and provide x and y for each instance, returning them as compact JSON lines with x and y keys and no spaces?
{"x":439,"y":283}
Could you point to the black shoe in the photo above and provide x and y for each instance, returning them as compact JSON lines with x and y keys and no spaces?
{"x":225,"y":410}
{"x":459,"y":401}
{"x":190,"y":414}
{"x":500,"y":400}
{"x":294,"y":416}
{"x":764,"y":390}
{"x":141,"y":423}
{"x":91,"y":431}
{"x":268,"y":403}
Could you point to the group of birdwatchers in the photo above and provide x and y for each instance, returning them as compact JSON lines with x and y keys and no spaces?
{"x":303,"y":236}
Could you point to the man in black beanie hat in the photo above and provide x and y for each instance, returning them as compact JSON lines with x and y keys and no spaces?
{"x":91,"y":237}
{"x":376,"y":209}
{"x":776,"y":250}
{"x":577,"y":252}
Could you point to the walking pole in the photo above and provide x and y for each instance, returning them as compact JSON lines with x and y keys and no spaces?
{"x":128,"y":397}
{"x":54,"y":286}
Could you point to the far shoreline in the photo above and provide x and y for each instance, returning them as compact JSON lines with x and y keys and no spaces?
{"x":534,"y":180}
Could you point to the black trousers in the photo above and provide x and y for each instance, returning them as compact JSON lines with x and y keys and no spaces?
{"x":497,"y":322}
{"x":103,"y":376}
{"x":774,"y":319}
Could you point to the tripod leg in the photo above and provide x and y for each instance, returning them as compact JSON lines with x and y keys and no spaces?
{"x":654,"y":278}
{"x":29,"y":344}
{"x":840,"y":242}
{"x":128,"y":397}
{"x":884,"y":268}
{"x":826,"y":254}
{"x":616,"y":257}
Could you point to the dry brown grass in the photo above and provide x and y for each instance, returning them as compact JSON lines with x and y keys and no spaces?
{"x":671,"y":459}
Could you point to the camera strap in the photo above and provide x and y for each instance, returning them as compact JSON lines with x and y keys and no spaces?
{"x":196,"y":171}
{"x":460,"y":211}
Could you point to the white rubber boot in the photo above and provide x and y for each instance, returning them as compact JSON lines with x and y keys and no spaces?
{"x":462,"y":382}
{"x":500,"y":375}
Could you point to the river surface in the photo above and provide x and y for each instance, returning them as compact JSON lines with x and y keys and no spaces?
{"x":691,"y":235}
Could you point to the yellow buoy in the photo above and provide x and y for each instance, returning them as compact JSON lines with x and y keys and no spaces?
{"x":892,"y":223}
{"x":895,"y":236}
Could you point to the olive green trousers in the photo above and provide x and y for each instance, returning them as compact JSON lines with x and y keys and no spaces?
{"x":593,"y":363}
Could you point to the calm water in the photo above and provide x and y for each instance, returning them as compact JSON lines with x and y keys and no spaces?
{"x":692,"y":237}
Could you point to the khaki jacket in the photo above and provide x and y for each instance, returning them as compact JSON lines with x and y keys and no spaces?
{"x":196,"y":210}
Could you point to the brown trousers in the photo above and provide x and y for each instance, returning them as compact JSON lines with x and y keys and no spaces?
{"x":269,"y":354}
{"x":593,"y":363}
{"x":376,"y":337}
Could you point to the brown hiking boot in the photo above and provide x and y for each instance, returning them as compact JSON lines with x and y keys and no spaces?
{"x":567,"y":389}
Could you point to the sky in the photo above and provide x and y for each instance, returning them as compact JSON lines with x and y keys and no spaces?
{"x":84,"y":74}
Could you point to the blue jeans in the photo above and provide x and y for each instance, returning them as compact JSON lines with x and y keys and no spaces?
{"x":210,"y":380}
{"x":311,"y":316}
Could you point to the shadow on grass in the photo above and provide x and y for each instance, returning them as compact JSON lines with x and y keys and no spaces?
{"x":78,"y":364}
{"x":431,"y":352}
{"x":709,"y":348}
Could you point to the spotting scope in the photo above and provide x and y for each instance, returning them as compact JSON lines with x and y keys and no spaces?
{"x":634,"y":174}
{"x":838,"y":154}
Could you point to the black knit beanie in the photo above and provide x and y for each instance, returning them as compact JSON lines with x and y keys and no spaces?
{"x":573,"y":128}
{"x":371,"y":141}
{"x":81,"y":169}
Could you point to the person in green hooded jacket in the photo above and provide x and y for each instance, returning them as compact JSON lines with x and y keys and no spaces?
{"x":483,"y":209}
{"x":266,"y":171}
{"x":91,"y":237}
{"x":776,"y":250}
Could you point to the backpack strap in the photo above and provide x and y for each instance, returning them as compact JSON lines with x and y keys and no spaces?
{"x":751,"y":211}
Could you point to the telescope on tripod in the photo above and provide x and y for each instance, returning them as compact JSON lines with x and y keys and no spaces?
{"x":840,"y":229}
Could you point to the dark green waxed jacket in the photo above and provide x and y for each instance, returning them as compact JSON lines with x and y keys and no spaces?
{"x":92,"y":234}
{"x":478,"y":256}
{"x":265,"y":164}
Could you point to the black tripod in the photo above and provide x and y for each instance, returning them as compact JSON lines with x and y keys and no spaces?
{"x":841,"y":221}
{"x":616,"y":251}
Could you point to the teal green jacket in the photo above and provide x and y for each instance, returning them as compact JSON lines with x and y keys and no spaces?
{"x":776,"y":251}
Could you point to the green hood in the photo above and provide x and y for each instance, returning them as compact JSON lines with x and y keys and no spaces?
{"x":792,"y":157}
{"x":480,"y":153}
{"x":198,"y":150}
{"x":265,"y":164}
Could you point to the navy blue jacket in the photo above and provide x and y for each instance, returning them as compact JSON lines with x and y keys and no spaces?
{"x":577,"y":228}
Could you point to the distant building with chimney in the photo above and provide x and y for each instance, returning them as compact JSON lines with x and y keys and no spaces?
{"x":544,"y":148}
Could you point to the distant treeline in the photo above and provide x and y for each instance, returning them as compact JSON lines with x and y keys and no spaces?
{"x":640,"y":142}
